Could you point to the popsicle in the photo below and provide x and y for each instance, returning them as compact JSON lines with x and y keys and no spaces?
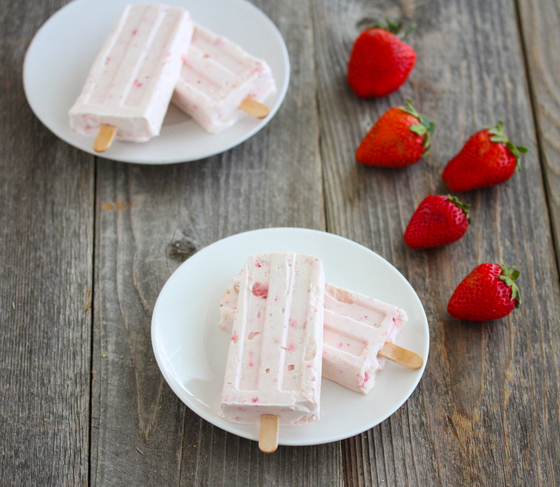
{"x":274,"y":360}
{"x":359,"y":333}
{"x":220,"y":81}
{"x":357,"y":328}
{"x":130,"y":84}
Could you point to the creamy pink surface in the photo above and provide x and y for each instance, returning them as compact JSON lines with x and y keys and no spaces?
{"x":216,"y":77}
{"x":355,"y":329}
{"x":274,"y":358}
{"x":131,"y":81}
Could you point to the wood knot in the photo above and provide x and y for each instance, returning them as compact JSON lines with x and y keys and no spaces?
{"x":181,"y":250}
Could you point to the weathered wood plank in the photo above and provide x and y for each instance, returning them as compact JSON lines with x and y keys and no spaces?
{"x":150,"y":219}
{"x":46,"y":236}
{"x":539,"y":29}
{"x":486,"y":410}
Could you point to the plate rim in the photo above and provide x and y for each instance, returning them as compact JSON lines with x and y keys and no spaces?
{"x":172,"y":382}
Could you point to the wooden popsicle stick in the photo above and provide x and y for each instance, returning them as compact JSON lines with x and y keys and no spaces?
{"x":268,"y":435}
{"x":104,"y":137}
{"x":254,"y":108}
{"x":402,"y":356}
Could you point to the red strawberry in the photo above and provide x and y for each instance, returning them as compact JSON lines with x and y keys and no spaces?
{"x":380,"y":62}
{"x":487,"y":159}
{"x":487,"y":293}
{"x":399,"y":138}
{"x":439,"y":220}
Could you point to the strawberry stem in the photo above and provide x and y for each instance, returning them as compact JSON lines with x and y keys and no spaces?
{"x":461,"y":205}
{"x":394,"y":28}
{"x":411,"y":27}
{"x":510,"y":274}
{"x":425,"y":127}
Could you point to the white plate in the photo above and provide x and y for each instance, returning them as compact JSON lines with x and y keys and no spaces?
{"x":62,"y":51}
{"x":191,"y":350}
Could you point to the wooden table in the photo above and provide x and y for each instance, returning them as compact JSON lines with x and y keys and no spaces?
{"x":88,"y":243}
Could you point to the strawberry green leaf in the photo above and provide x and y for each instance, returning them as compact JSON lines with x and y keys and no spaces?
{"x":463,"y":206}
{"x":409,"y":108}
{"x":419,"y":129}
{"x":411,"y":27}
{"x":510,"y":274}
{"x":389,"y":26}
{"x":424,"y":121}
{"x":516,"y":150}
{"x":394,"y":28}
{"x":497,"y":130}
{"x":499,"y":136}
{"x":425,"y":127}
{"x":432,"y":128}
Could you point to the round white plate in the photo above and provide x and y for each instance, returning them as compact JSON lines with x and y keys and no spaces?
{"x":191,"y":350}
{"x":61,"y":53}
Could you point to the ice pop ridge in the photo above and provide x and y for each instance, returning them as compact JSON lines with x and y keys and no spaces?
{"x":274,"y":359}
{"x":132,"y":79}
{"x":216,"y":77}
{"x":355,"y":329}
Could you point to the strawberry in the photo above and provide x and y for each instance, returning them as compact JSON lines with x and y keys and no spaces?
{"x":438,"y":220}
{"x":487,"y":293}
{"x":487,"y":159}
{"x":399,"y":138}
{"x":380,"y":62}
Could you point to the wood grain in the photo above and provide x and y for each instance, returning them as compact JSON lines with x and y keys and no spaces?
{"x":539,"y":30}
{"x":489,"y":389}
{"x":486,"y":411}
{"x":46,"y":236}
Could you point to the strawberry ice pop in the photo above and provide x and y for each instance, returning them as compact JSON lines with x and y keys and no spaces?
{"x":219,"y":79}
{"x":356,"y":329}
{"x":274,"y":359}
{"x":358,"y":333}
{"x":130,"y":83}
